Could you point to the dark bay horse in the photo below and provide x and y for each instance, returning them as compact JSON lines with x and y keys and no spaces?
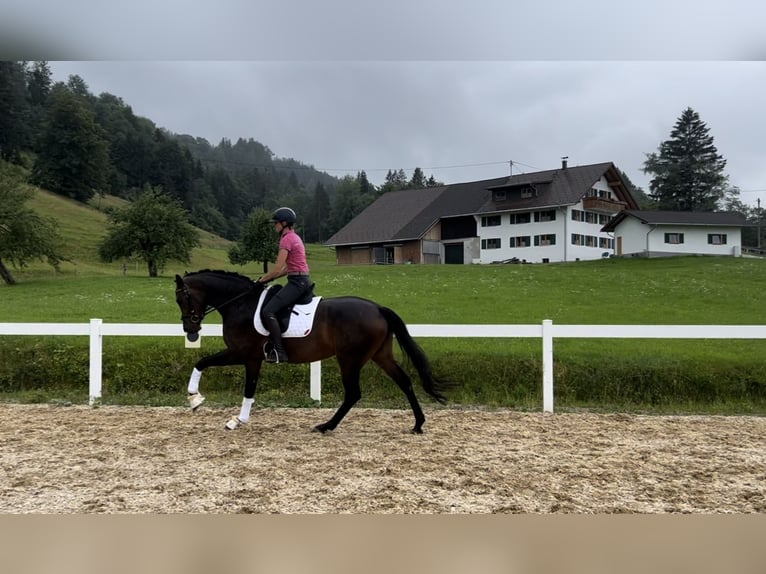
{"x":352,"y":329}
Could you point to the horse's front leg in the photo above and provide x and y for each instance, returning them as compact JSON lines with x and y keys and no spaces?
{"x":221,"y":359}
{"x":252,"y":372}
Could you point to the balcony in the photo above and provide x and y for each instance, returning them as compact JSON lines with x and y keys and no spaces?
{"x":603,"y":205}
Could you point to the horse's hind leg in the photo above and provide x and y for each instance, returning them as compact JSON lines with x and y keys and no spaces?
{"x":403,"y":381}
{"x":352,"y":393}
{"x":252,"y":372}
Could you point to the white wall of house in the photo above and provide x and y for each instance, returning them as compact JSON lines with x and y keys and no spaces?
{"x":519,"y":239}
{"x":643,"y":239}
{"x":577,"y":236}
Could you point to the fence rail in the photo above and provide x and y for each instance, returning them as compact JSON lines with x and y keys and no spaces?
{"x":96,"y":329}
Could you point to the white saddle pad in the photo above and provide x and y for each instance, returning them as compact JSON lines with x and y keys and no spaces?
{"x":301,"y":318}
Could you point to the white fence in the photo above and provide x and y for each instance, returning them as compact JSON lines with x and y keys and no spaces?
{"x":96,"y":329}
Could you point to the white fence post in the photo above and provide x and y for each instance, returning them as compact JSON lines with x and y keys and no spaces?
{"x":547,"y":366}
{"x":316,"y":381}
{"x":94,"y":386}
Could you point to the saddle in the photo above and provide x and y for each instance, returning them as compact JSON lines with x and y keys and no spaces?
{"x":283,"y":316}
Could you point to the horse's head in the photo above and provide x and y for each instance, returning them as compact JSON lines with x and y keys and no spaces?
{"x":193,"y":308}
{"x":197,"y":294}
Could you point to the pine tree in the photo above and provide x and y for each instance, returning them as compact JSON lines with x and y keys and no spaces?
{"x":14,"y":111}
{"x":418,"y":180}
{"x":39,"y":83}
{"x":73,"y":159}
{"x":688,"y":172}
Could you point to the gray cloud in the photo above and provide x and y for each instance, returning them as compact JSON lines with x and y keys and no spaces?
{"x":376,"y":116}
{"x":429,"y":84}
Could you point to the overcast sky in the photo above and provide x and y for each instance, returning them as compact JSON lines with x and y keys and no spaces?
{"x":345,"y":87}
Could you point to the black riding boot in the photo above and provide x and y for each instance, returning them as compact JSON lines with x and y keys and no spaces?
{"x":279,"y":355}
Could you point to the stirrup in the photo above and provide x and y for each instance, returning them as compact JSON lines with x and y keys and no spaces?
{"x":273,"y":356}
{"x":195,"y":400}
{"x":234,"y":423}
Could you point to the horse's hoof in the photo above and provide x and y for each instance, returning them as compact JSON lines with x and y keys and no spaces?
{"x":195,"y":400}
{"x":321,"y":428}
{"x":417,"y":430}
{"x":233,"y":424}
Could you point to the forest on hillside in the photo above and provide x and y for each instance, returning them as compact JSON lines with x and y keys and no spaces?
{"x":80,"y":145}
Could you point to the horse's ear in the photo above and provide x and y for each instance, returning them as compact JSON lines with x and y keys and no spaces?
{"x":179,"y":281}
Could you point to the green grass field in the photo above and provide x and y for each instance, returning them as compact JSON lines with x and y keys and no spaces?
{"x":596,"y":374}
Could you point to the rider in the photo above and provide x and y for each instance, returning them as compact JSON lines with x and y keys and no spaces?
{"x":291,"y":261}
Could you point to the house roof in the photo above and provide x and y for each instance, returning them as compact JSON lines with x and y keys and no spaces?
{"x":558,"y":187}
{"x":408,"y":214}
{"x":678,"y":218}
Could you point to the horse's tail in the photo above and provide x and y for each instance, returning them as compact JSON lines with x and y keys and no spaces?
{"x":433,"y":385}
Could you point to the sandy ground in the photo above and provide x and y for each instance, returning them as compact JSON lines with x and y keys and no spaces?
{"x":74,"y":459}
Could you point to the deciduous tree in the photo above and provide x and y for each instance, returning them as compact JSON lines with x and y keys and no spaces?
{"x":154,"y":228}
{"x":24,"y":235}
{"x":258,"y":241}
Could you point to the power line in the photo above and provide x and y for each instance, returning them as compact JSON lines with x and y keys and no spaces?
{"x":512,"y":164}
{"x":422,"y":168}
{"x":357,"y":170}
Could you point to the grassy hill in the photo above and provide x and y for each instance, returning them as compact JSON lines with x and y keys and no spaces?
{"x":83,"y":226}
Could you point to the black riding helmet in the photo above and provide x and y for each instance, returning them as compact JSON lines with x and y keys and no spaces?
{"x":284,"y":214}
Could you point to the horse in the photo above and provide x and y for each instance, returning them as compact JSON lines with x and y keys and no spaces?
{"x":352,"y":329}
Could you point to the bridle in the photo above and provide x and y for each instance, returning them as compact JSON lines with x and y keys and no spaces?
{"x":194,"y":317}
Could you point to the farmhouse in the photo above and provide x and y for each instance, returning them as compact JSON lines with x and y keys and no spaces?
{"x":547,"y":216}
{"x":667,"y":233}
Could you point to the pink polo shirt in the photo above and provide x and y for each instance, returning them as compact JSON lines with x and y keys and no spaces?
{"x":296,"y":252}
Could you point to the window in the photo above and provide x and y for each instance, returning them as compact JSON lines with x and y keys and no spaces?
{"x":600,"y":193}
{"x":544,"y":240}
{"x":716,"y":238}
{"x":586,"y":216}
{"x":517,"y":218}
{"x":606,"y":243}
{"x":545,"y":215}
{"x":674,"y":238}
{"x":520,"y":241}
{"x":493,"y":243}
{"x":527,"y":192}
{"x":498,"y":195}
{"x":490,"y":221}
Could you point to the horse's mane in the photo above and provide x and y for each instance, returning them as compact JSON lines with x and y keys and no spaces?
{"x":231,"y":274}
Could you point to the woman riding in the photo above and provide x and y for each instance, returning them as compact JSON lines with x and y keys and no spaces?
{"x":291,"y":261}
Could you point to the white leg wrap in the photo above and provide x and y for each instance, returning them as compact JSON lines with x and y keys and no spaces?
{"x":194,"y":381}
{"x":244,"y":411}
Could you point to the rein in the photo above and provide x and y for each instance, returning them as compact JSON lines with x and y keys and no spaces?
{"x":195,"y":317}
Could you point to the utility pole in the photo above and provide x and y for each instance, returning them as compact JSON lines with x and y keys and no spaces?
{"x":758,"y":212}
{"x":511,"y":167}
